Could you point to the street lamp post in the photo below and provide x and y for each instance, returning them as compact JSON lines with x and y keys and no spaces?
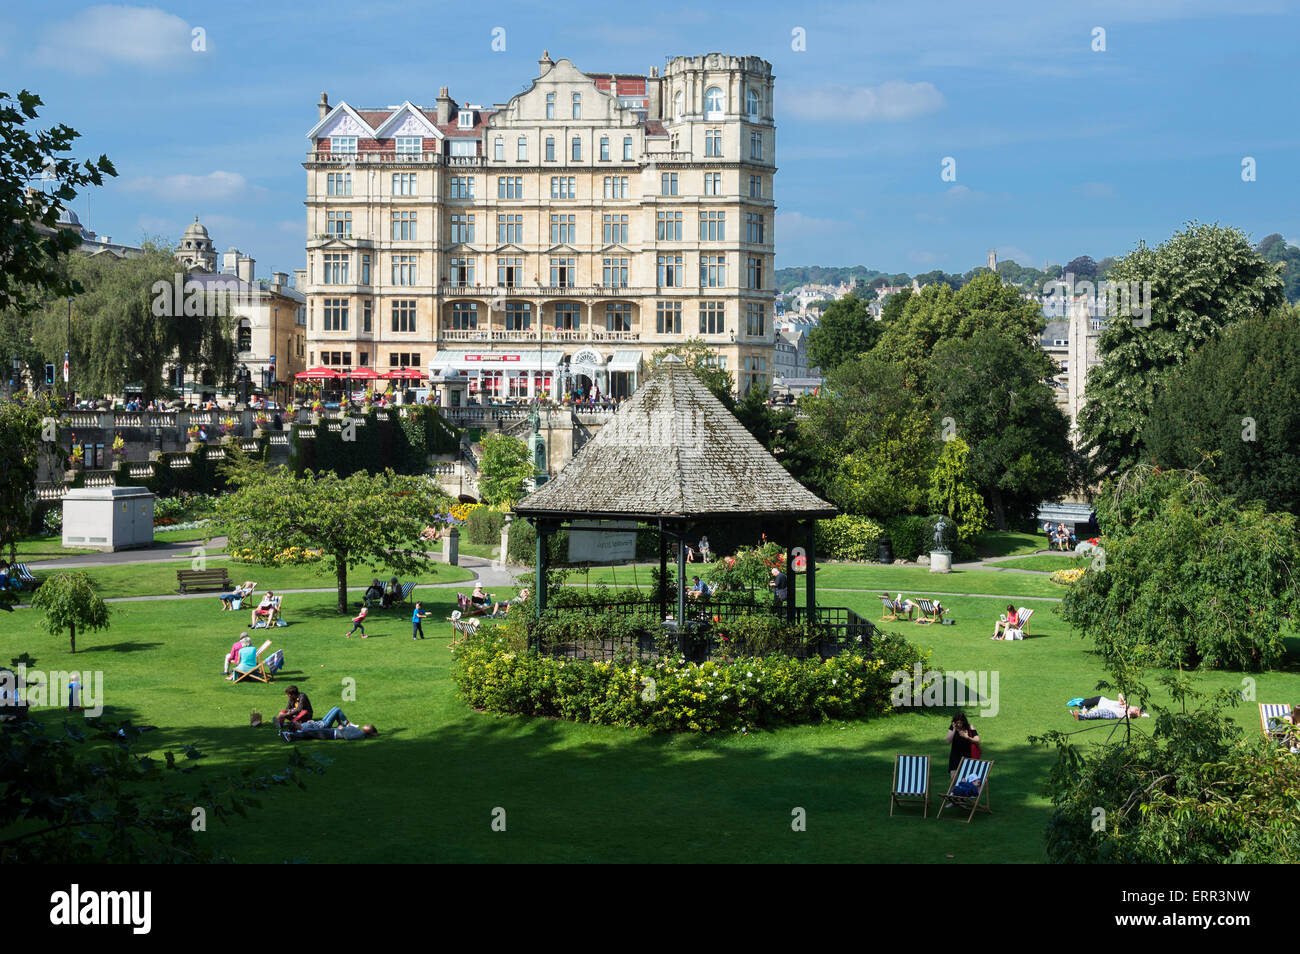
{"x":67,"y":360}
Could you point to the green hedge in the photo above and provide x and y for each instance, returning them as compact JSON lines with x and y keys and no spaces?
{"x":386,"y":440}
{"x":484,"y":525}
{"x":673,"y":695}
{"x":910,"y":536}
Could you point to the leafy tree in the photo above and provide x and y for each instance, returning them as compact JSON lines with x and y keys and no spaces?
{"x":31,"y":243}
{"x":953,"y":491}
{"x":84,"y":797}
{"x":872,"y":437}
{"x":504,"y":469}
{"x":937,"y":313}
{"x":1202,"y":279}
{"x":20,"y":451}
{"x":1187,"y":576}
{"x":894,"y":306}
{"x":1275,"y":249}
{"x":69,"y":600}
{"x":1081,"y":267}
{"x":993,"y":388}
{"x":702,"y":360}
{"x":369,"y":519}
{"x":1236,"y":399}
{"x":846,"y":329}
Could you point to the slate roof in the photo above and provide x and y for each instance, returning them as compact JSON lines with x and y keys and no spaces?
{"x":673,"y":450}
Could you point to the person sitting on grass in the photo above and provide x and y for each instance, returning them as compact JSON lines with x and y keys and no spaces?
{"x":699,"y":589}
{"x":263,"y":608}
{"x":232,"y":657}
{"x":241,"y":592}
{"x":1009,"y":620}
{"x":358,"y":624}
{"x":298,"y":710}
{"x":335,"y":725}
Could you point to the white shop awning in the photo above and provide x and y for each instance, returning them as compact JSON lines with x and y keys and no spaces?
{"x":624,"y":361}
{"x":468,"y":362}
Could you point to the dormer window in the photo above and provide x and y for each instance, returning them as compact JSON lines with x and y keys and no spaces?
{"x":343,"y":144}
{"x":465,"y":119}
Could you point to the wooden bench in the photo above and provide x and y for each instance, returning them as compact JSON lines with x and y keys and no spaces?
{"x":198,"y":580}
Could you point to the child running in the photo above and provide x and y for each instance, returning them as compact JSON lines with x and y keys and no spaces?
{"x":358,"y":624}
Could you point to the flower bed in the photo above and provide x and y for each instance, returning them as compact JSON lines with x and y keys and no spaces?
{"x":289,"y":556}
{"x":1068,"y":577}
{"x":171,"y":523}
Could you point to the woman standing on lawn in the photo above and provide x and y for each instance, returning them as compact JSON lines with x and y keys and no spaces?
{"x":963,"y":736}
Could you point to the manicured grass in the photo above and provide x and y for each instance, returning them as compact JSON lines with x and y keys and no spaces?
{"x":184,"y":536}
{"x":998,"y":543}
{"x":425,"y":789}
{"x":488,"y":551}
{"x":1043,"y":561}
{"x":39,"y":549}
{"x":156,"y":579}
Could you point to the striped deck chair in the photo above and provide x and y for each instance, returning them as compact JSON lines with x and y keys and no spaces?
{"x":259,"y":672}
{"x":980,"y":769}
{"x":26,"y":580}
{"x":911,"y":782}
{"x":1269,"y":711}
{"x":1021,"y":631}
{"x":931,"y":612}
{"x":405,"y":595}
{"x":892,"y":609}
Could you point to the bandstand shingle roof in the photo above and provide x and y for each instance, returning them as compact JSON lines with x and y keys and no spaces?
{"x":673,"y":450}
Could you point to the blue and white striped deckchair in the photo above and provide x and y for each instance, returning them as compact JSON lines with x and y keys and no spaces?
{"x":1268,"y":711}
{"x":911,"y":782}
{"x":930,"y":613}
{"x":979,"y":768}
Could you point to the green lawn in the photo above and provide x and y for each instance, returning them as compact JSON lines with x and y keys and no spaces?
{"x":39,"y":549}
{"x":1043,"y":561}
{"x":999,"y":543}
{"x":488,"y":551}
{"x":425,"y":789}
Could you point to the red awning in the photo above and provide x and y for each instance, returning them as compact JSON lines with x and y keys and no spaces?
{"x":404,"y":374}
{"x":364,"y":374}
{"x":319,"y":373}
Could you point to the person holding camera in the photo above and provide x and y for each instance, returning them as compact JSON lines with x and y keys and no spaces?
{"x":965,"y":743}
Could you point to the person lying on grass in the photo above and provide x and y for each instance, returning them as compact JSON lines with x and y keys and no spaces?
{"x":501,"y":609}
{"x":1099,"y":707}
{"x":335,"y":725}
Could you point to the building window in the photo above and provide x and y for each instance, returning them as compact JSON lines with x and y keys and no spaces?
{"x":712,"y":318}
{"x":670,"y":271}
{"x":563,"y":187}
{"x":618,"y":316}
{"x":510,"y":229}
{"x":616,"y":187}
{"x":755,"y":269}
{"x":751,"y":104}
{"x":510,"y":187}
{"x":338,"y":183}
{"x":462,"y":229}
{"x":758,"y":377}
{"x":614,"y":273}
{"x":335,"y":314}
{"x":408,"y":145}
{"x":754,"y":228}
{"x":336,"y":269}
{"x":576,"y":149}
{"x":756,"y":187}
{"x":464,"y":316}
{"x":509,"y":271}
{"x":338,"y":224}
{"x":519,"y":316}
{"x":367,"y":307}
{"x":713,"y":183}
{"x":713,"y":103}
{"x":404,"y":183}
{"x":604,"y":149}
{"x":615,"y":229}
{"x":668,"y":318}
{"x":755,"y":320}
{"x":343,"y":144}
{"x":668,"y":183}
{"x":499,"y":149}
{"x":401,"y":359}
{"x":756,"y":145}
{"x":404,"y":314}
{"x":562,"y":229}
{"x":564,"y":272}
{"x":404,"y":269}
{"x":550,"y":148}
{"x":550,"y":105}
{"x":462,"y":271}
{"x":568,"y":316}
{"x":713,"y":226}
{"x":464,"y":147}
{"x":577,"y":105}
{"x":462,"y":187}
{"x":679,"y":105}
{"x":668,"y":226}
{"x":627,"y":148}
{"x":521,"y":149}
{"x":713,"y":271}
{"x":713,"y":142}
{"x":404,"y":226}
{"x":365,"y":269}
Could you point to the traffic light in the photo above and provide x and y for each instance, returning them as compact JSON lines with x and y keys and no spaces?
{"x":49,"y":375}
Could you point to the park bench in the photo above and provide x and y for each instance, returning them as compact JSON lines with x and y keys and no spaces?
{"x":199,"y":580}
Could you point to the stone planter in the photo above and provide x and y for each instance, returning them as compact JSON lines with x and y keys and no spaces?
{"x":940,"y":561}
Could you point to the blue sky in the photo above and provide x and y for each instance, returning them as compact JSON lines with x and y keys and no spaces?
{"x":1060,"y":149}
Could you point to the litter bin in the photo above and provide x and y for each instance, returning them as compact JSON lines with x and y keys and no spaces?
{"x":885,"y":550}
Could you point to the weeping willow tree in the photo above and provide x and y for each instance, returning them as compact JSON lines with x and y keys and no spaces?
{"x":125,"y":331}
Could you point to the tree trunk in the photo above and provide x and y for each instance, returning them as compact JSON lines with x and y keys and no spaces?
{"x":999,"y":511}
{"x":72,"y":630}
{"x":341,"y":571}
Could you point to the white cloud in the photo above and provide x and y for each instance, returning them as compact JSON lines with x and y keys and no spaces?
{"x":890,"y":101}
{"x":103,"y":36}
{"x":215,"y":186}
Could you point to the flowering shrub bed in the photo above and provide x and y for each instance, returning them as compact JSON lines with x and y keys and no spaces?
{"x":677,"y":696}
{"x":286,"y":557}
{"x":170,"y":523}
{"x":1068,"y":577}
